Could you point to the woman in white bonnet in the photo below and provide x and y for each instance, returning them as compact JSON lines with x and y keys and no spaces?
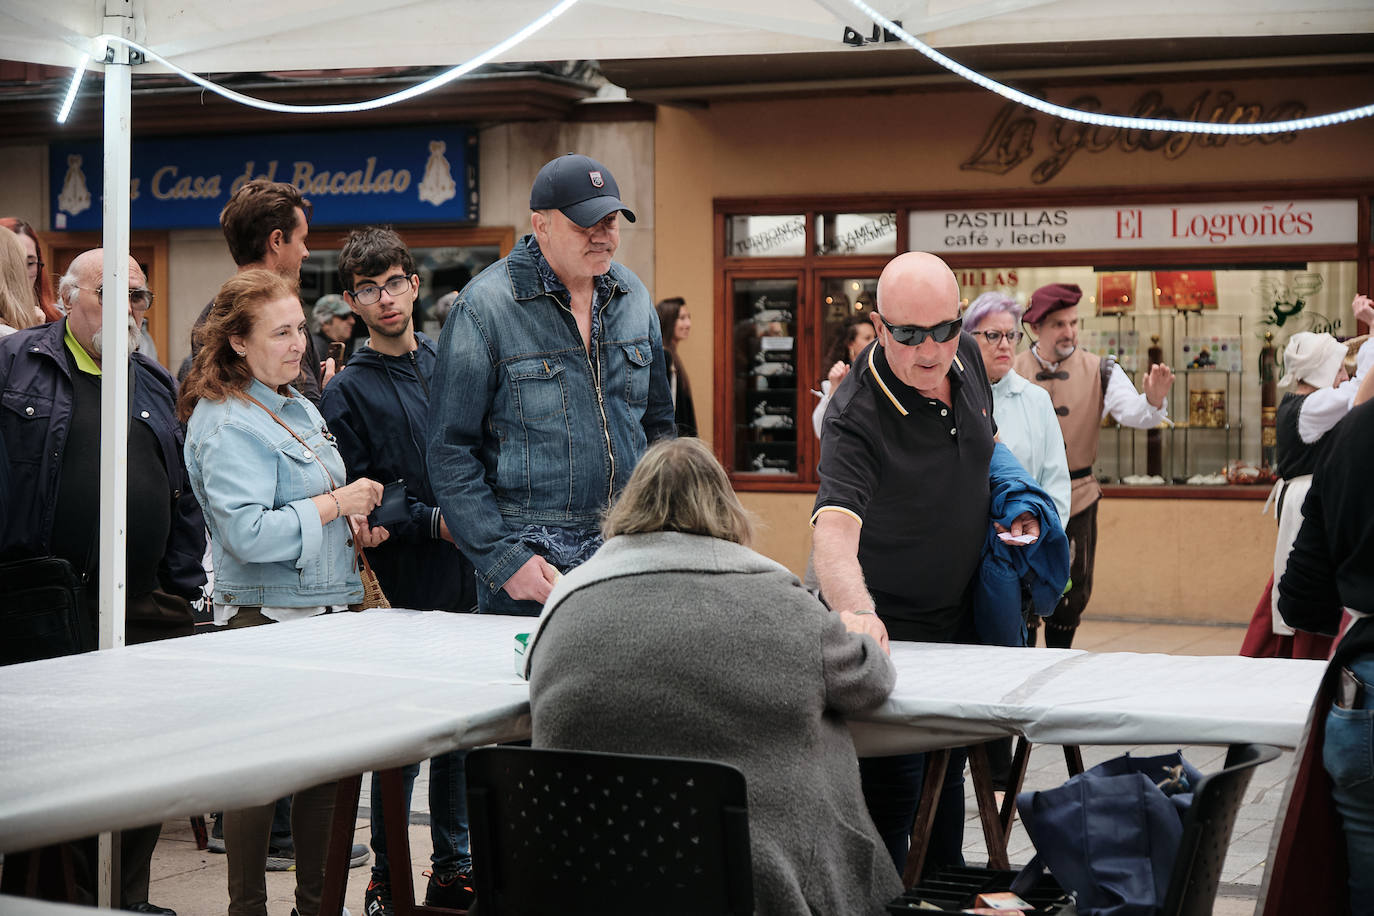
{"x":1322,"y":393}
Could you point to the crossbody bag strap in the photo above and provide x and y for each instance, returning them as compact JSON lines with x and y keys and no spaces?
{"x":357,"y":548}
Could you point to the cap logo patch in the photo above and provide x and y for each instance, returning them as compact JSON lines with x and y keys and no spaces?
{"x":597,"y":180}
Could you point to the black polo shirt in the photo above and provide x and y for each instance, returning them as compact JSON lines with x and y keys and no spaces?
{"x":914,"y":472}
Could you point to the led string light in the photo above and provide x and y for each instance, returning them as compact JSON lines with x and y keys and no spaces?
{"x":1109,"y":120}
{"x":411,"y":92}
{"x":1059,"y":111}
{"x":71,"y":90}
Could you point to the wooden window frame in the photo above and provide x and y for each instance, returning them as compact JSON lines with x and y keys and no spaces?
{"x":813,"y":267}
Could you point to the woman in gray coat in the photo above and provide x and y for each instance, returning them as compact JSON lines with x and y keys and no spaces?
{"x":676,"y":639}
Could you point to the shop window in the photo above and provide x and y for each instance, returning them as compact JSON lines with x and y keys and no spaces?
{"x":842,"y":299}
{"x":1213,"y":327}
{"x":856,"y":233}
{"x":445,"y":259}
{"x":764,"y":313}
{"x":765,"y":236}
{"x":1219,"y":317}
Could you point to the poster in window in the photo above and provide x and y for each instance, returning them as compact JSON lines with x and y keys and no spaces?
{"x":1185,"y":290}
{"x":1116,"y":293}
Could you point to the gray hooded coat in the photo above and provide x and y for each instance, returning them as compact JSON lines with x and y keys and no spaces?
{"x":683,"y":645}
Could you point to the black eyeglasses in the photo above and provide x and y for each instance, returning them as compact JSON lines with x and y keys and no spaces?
{"x":370,"y":295}
{"x":913,"y":335}
{"x":140,"y":299}
{"x":995,"y":337}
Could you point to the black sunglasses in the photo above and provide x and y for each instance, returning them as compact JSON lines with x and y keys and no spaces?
{"x":913,"y":335}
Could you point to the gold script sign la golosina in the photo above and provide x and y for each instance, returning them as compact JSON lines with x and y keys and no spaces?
{"x":1010,"y":139}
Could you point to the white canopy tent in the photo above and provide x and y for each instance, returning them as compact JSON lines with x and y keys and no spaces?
{"x":257,"y":35}
{"x":260,"y":35}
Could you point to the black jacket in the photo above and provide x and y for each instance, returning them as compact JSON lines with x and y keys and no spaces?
{"x":35,"y":413}
{"x":1332,"y":562}
{"x":376,"y":407}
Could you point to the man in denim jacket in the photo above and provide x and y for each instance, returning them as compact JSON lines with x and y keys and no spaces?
{"x":551,"y":382}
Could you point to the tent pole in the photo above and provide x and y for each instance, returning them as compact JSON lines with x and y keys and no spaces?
{"x":114,"y":386}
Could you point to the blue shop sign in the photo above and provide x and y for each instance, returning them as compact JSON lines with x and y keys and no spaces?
{"x":351,"y":178}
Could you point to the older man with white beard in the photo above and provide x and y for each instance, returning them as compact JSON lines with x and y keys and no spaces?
{"x":50,"y":380}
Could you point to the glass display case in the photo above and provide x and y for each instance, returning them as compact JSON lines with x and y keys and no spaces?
{"x":764,"y":313}
{"x":1209,"y":355}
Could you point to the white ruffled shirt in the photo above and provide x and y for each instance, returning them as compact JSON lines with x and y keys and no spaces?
{"x":1027,"y":424}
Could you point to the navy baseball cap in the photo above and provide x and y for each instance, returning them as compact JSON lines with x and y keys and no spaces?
{"x":579,"y":186}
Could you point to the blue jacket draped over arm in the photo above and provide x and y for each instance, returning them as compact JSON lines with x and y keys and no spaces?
{"x":1043,"y":565}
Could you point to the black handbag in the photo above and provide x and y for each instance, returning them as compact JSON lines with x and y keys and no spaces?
{"x":42,"y":611}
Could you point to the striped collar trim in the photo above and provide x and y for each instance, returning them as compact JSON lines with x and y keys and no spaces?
{"x":877,"y":377}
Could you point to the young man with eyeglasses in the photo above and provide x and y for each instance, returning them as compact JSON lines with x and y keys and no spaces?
{"x":51,"y":377}
{"x":1084,"y":389}
{"x":377,"y":407}
{"x":902,"y":512}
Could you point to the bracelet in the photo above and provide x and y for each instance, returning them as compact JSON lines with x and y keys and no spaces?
{"x":338,"y":507}
{"x":869,"y":611}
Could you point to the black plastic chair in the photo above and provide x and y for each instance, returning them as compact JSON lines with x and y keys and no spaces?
{"x":1196,"y":872}
{"x":583,"y":832}
{"x":1207,"y":830}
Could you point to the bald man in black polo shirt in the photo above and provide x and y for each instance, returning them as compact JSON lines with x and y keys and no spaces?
{"x":902,"y":511}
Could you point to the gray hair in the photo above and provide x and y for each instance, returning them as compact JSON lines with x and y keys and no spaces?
{"x":66,"y":289}
{"x":988,"y":303}
{"x":678,"y":485}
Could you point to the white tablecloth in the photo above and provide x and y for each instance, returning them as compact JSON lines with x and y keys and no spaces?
{"x":955,"y":694}
{"x":143,"y":734}
{"x":117,"y":739}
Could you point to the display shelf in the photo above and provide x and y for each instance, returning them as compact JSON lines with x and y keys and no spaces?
{"x":1206,"y":351}
{"x":766,"y":373}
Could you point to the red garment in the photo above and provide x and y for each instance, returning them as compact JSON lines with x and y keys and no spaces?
{"x":1262,"y":642}
{"x":1307,"y":870}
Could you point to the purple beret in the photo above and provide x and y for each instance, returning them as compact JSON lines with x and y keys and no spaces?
{"x":1051,"y":298}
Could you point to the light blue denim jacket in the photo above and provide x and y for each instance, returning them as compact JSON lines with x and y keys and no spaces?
{"x":520,"y":431}
{"x":254,"y":482}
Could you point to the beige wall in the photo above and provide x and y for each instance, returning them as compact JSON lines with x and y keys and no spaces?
{"x":1199,"y":560}
{"x":199,"y":263}
{"x":24,"y":191}
{"x":511,"y":155}
{"x":1190,"y":559}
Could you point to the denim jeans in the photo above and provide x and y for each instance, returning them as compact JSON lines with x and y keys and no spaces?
{"x":1348,"y":753}
{"x":892,"y":790}
{"x":564,"y":548}
{"x":448,"y":815}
